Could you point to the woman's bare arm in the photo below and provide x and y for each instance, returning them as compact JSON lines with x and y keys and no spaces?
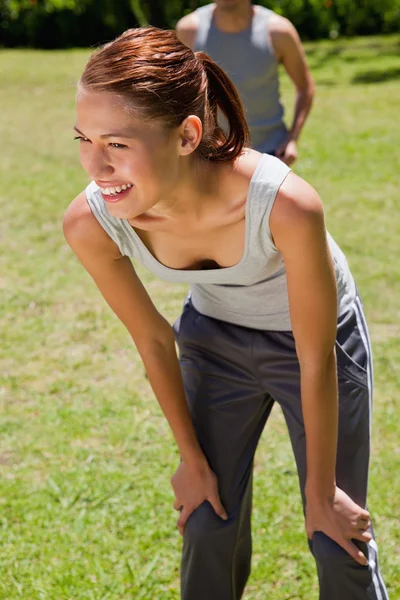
{"x":297,"y":224}
{"x":114,"y":275}
{"x":298,"y":228}
{"x":116,"y":279}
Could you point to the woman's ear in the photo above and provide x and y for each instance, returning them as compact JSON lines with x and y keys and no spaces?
{"x":190,"y":134}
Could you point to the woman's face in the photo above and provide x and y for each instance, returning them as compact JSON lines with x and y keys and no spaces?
{"x":135,"y":162}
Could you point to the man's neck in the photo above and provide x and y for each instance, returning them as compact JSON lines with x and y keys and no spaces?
{"x":234,"y":19}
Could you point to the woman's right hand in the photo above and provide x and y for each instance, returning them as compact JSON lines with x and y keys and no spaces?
{"x":194,"y":484}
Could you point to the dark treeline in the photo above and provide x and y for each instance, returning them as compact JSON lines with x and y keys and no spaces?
{"x":74,"y":23}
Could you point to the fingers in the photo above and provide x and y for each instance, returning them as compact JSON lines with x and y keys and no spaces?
{"x":360,"y":530}
{"x":363,"y":524}
{"x":355,"y":553}
{"x":309,"y":531}
{"x":287,"y":158}
{"x":177,"y":505}
{"x":364,"y":518}
{"x":185,"y":514}
{"x":217,"y":506}
{"x":362,"y":536}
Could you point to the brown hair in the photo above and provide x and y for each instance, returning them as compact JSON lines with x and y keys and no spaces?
{"x":153,"y":70}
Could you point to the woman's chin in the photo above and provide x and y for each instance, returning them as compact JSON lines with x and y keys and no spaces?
{"x":122,"y":210}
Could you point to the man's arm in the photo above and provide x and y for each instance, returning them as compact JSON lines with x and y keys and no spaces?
{"x":290,"y":52}
{"x":186,"y":29}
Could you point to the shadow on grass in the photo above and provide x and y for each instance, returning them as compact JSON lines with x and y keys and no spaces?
{"x":377,"y":76}
{"x":320,"y":57}
{"x":387,"y":53}
{"x":326,"y":82}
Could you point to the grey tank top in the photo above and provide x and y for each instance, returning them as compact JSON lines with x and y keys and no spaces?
{"x":252,"y":293}
{"x":249,"y":60}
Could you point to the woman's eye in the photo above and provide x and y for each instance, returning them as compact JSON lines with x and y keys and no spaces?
{"x":81,"y":138}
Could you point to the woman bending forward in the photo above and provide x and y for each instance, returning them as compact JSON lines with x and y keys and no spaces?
{"x":273,"y":313}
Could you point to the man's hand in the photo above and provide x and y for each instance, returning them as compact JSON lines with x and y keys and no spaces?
{"x":287,"y":151}
{"x":192,"y":486}
{"x":342,"y":520}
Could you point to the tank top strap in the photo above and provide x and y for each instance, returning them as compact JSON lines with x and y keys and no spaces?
{"x":263,"y":12}
{"x":269,"y":176}
{"x":262,"y":15}
{"x":204,"y":16}
{"x":117,"y":229}
{"x":261,"y":29}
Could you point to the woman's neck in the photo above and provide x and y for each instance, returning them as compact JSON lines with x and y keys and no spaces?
{"x":200,"y":187}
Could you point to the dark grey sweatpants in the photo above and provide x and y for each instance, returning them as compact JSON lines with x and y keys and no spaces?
{"x":232,"y":377}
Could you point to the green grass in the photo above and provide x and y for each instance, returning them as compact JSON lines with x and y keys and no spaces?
{"x":85,"y":454}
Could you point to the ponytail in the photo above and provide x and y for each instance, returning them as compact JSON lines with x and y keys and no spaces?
{"x":162,"y":78}
{"x":218,"y":145}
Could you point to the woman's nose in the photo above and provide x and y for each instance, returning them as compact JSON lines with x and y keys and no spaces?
{"x":99,"y":167}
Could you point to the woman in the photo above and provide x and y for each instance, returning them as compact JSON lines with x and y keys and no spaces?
{"x":271,"y":299}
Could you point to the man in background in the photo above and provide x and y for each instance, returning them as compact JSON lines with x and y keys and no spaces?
{"x":249,"y":42}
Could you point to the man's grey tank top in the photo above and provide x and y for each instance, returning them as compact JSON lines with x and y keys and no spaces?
{"x":252,"y":293}
{"x":249,"y":60}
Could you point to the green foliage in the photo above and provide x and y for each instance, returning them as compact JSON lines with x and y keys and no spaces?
{"x":322,"y":18}
{"x":66,"y":23}
{"x":366,"y":16}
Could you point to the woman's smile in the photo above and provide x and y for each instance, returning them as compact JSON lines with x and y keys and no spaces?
{"x":116,"y":193}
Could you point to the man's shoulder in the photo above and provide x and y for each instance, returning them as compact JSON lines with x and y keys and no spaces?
{"x":280,"y":25}
{"x":186,"y":29}
{"x":283,"y":35}
{"x":188,"y":22}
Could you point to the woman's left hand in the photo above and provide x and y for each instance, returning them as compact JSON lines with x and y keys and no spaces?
{"x":342,"y":520}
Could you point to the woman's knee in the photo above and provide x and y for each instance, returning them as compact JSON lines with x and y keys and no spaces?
{"x":204,"y":525}
{"x":328,"y":553}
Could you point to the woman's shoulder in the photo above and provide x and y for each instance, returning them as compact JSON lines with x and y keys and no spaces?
{"x":81,"y":227}
{"x":247,"y":162}
{"x":297,"y":207}
{"x":254,"y":165}
{"x":296,"y":196}
{"x":293,"y":193}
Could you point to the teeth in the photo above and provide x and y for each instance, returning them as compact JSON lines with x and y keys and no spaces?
{"x":112,"y":191}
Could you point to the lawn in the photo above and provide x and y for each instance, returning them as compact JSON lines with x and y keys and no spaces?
{"x":85,"y":453}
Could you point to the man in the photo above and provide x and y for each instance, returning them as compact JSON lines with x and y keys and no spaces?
{"x":249,"y":42}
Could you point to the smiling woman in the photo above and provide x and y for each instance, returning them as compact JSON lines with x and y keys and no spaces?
{"x":145,"y":110}
{"x":115,"y":192}
{"x":271,"y":298}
